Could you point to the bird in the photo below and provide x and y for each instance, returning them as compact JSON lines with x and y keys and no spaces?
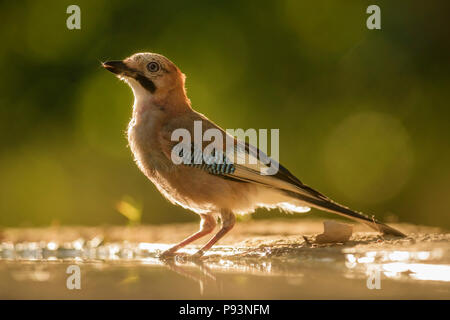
{"x":215,"y":187}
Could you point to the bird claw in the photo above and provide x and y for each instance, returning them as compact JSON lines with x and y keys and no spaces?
{"x":198,"y":254}
{"x":168,"y":254}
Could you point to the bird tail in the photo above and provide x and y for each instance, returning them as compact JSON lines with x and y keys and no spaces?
{"x":323,"y":203}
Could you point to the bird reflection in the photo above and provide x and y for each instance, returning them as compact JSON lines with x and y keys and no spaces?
{"x":192,"y":269}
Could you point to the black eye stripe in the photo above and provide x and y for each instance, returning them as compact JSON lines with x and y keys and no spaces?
{"x":146,"y":83}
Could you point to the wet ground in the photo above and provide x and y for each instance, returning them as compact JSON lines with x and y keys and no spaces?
{"x":258,"y":260}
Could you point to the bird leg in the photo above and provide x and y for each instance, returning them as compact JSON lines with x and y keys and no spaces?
{"x":228,"y":221}
{"x":207,"y":225}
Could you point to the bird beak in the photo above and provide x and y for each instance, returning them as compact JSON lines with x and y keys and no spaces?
{"x":121,"y":69}
{"x":116,"y":67}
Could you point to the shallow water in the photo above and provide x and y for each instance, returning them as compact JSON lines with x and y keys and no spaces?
{"x":133,"y":271}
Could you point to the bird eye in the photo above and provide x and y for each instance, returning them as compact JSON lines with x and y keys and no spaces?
{"x":153,"y":67}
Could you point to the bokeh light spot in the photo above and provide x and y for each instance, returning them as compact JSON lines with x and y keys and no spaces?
{"x":368,"y":157}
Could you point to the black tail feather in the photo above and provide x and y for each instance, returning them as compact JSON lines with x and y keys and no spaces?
{"x":330,"y":206}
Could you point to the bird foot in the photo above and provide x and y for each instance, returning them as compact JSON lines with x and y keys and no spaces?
{"x":168,"y":254}
{"x":198,"y":254}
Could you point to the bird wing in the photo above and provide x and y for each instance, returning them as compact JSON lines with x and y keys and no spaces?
{"x":246,"y":163}
{"x":243,"y":162}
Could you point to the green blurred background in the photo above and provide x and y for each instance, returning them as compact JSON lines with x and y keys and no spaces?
{"x":363,"y":114}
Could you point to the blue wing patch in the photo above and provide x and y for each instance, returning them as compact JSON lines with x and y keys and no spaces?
{"x":215,"y":163}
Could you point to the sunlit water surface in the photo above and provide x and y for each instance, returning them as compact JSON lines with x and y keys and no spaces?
{"x":134,"y":271}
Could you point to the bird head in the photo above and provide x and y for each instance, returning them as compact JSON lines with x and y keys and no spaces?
{"x":150,"y":75}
